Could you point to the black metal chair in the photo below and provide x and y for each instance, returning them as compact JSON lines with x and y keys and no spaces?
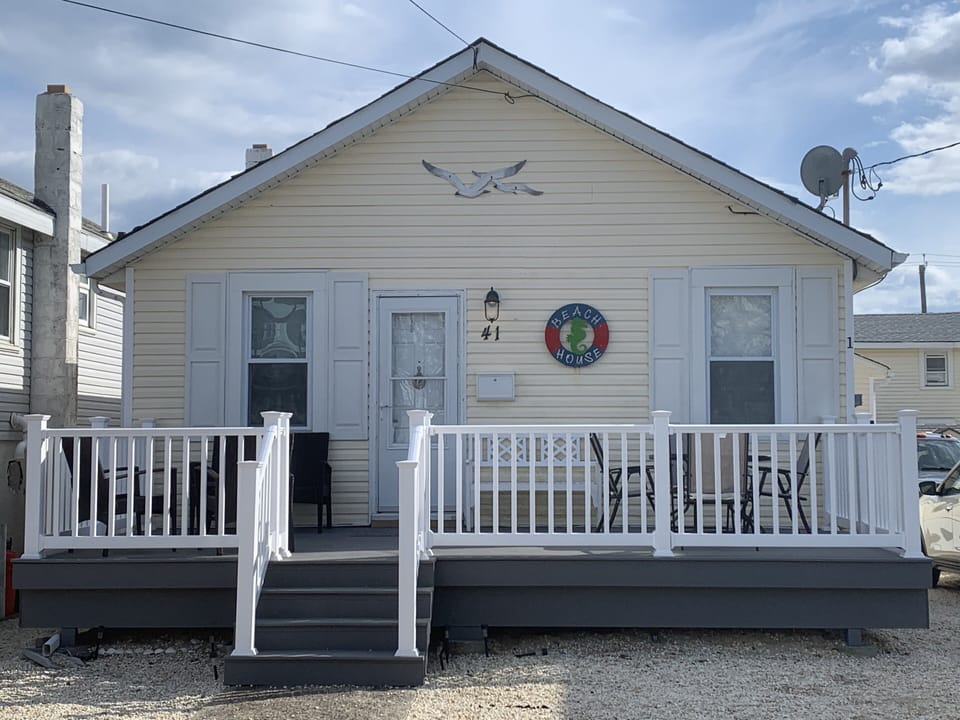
{"x":784,"y":486}
{"x":616,"y":475}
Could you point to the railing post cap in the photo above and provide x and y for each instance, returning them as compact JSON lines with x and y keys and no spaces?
{"x":661,"y":413}
{"x":907,"y":413}
{"x":275,"y":414}
{"x":37,"y":418}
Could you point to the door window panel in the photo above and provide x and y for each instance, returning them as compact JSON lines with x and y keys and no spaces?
{"x":741,"y":362}
{"x":278,"y":358}
{"x":418,"y":368}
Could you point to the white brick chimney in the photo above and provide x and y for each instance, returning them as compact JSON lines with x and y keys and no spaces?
{"x":58,"y":183}
{"x":257,"y":154}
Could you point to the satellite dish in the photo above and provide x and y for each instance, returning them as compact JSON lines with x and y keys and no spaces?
{"x":822,"y":171}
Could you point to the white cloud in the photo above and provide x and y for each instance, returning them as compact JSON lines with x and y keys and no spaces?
{"x":922,"y":65}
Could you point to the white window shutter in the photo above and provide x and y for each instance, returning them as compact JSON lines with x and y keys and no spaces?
{"x":669,"y":343}
{"x":818,"y":345}
{"x":205,"y":337}
{"x":348,"y":356}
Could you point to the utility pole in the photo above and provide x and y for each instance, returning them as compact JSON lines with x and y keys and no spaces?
{"x":923,"y":285}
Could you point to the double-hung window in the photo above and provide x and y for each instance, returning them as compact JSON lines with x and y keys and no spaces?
{"x":741,"y":356}
{"x":8,"y":265}
{"x":935,"y":370}
{"x":85,"y":302}
{"x":278,"y":354}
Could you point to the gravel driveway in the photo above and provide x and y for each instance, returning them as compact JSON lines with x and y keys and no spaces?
{"x":623,"y":674}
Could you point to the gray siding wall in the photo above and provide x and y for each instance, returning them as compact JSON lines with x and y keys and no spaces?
{"x":15,"y":356}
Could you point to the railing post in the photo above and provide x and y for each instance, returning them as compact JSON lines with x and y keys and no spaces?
{"x":661,"y":483}
{"x":33,"y":488}
{"x":422,"y":489}
{"x":408,"y":557}
{"x":909,"y":482}
{"x":278,"y":476}
{"x":247,"y":560}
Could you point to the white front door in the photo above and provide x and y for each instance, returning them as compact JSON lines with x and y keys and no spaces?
{"x":419,"y":369}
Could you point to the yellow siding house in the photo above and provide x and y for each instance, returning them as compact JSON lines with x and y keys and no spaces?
{"x":346,"y":279}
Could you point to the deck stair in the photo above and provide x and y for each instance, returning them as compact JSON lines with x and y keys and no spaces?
{"x":333,"y":622}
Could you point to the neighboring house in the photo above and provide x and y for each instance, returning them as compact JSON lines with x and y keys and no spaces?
{"x":60,"y":333}
{"x":909,"y":360}
{"x":493,"y":246}
{"x":373,"y":252}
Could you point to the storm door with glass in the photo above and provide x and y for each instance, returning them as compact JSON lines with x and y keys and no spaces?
{"x":741,"y":356}
{"x":278,"y":350}
{"x":418,"y":370}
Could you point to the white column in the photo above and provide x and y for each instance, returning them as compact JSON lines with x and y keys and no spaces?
{"x":661,"y":483}
{"x":909,"y":482}
{"x":33,"y":502}
{"x":278,"y":479}
{"x":247,"y":557}
{"x":408,"y":558}
{"x":409,"y":532}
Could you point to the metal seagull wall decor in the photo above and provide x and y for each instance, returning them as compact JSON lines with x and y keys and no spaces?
{"x":483,"y":179}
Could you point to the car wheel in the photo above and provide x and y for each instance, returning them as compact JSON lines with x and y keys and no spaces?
{"x":936,"y":576}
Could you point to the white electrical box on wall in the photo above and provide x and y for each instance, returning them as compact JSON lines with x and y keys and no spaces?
{"x":495,"y":386}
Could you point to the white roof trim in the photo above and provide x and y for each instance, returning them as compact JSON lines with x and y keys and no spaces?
{"x":751,"y":193}
{"x":26,"y":215}
{"x":906,"y":345}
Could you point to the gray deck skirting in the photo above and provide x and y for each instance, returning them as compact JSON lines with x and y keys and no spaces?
{"x":528,"y":587}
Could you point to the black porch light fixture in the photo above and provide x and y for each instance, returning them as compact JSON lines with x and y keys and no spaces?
{"x":491,"y":305}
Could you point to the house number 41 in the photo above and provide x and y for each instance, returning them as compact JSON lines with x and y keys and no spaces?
{"x":491,"y":331}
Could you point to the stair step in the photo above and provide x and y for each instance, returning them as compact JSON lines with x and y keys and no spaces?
{"x":311,"y":667}
{"x":352,"y":602}
{"x":333,"y":634}
{"x":344,"y":573}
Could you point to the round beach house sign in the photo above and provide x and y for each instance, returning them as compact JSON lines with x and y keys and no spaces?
{"x":577,"y":335}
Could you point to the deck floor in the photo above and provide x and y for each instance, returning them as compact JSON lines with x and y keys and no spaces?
{"x":353,"y":543}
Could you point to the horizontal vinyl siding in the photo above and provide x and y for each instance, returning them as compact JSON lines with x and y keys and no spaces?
{"x":100,"y":362}
{"x":905,"y":388}
{"x":15,"y":357}
{"x":607,"y":216}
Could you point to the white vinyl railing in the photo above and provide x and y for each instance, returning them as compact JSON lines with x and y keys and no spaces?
{"x":141,"y":488}
{"x":262,"y":523}
{"x":664,"y":485}
{"x":413,"y":528}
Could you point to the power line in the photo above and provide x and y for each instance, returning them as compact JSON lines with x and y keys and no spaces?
{"x":286,"y":51}
{"x":914,"y":155}
{"x":421,"y":9}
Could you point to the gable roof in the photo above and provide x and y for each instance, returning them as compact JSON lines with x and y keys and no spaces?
{"x":907,"y":328}
{"x":866,"y":251}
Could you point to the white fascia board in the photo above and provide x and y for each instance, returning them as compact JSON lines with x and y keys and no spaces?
{"x":674,"y":153}
{"x":906,"y":345}
{"x":349,"y":130}
{"x":26,"y":215}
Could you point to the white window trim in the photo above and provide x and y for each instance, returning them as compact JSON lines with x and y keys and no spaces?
{"x":781,"y":281}
{"x":948,"y":367}
{"x":15,"y":284}
{"x":90,"y":324}
{"x":240,"y":285}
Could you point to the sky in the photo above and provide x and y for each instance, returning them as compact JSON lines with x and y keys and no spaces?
{"x":169,"y":113}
